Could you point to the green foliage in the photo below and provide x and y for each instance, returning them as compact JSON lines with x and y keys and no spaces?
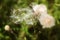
{"x":28,"y":32}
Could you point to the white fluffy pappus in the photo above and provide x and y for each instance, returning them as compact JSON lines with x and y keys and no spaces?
{"x":23,"y":14}
{"x":47,"y":21}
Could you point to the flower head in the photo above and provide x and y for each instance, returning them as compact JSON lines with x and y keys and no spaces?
{"x":47,"y":21}
{"x":39,"y":9}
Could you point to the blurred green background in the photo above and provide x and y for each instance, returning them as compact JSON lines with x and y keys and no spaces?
{"x":32,"y":33}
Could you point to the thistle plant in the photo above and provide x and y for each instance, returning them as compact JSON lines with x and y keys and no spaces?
{"x":27,"y":16}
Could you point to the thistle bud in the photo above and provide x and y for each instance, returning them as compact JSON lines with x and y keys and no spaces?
{"x":7,"y":28}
